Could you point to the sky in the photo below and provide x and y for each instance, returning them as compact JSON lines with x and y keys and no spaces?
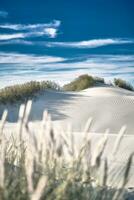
{"x":60,"y":40}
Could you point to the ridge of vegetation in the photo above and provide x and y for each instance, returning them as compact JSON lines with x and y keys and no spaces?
{"x":23,"y":92}
{"x":83,"y":82}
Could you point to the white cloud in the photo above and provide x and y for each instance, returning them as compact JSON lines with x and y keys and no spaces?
{"x":28,"y":27}
{"x":89,"y":43}
{"x":51,"y":32}
{"x":16,"y":58}
{"x":3,"y":13}
{"x":11,"y":36}
{"x":31,"y":30}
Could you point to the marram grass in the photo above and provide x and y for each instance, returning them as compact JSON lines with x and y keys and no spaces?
{"x":48,"y":166}
{"x":25,"y":91}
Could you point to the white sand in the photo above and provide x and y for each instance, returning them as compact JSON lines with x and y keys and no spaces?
{"x":109,"y":107}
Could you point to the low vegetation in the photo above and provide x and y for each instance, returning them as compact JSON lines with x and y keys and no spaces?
{"x":80,"y":83}
{"x":123,"y":84}
{"x":42,"y":164}
{"x":83,"y":82}
{"x":23,"y":92}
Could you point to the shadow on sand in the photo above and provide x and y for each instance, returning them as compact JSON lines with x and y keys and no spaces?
{"x":52,"y":101}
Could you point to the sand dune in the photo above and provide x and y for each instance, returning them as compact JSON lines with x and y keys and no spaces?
{"x":108,"y":106}
{"x":107,"y":91}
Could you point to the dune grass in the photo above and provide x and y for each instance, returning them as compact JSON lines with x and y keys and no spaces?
{"x":23,"y":92}
{"x":123,"y":84}
{"x":80,"y":83}
{"x":86,"y":81}
{"x":48,"y":166}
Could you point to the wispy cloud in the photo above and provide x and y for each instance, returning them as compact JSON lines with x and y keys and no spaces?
{"x":51,"y":32}
{"x":11,"y":36}
{"x":28,"y":27}
{"x":30,"y":30}
{"x":17,"y":58}
{"x":89,"y":43}
{"x":26,"y":67}
{"x":3,"y":13}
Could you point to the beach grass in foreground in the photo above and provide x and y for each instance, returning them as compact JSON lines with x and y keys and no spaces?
{"x":48,"y":165}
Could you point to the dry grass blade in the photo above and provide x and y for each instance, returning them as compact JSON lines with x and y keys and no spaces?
{"x":20,"y":121}
{"x":127,"y":170}
{"x":3,"y":121}
{"x":27,"y":111}
{"x":2,"y":149}
{"x":119,"y":193}
{"x":29,"y":169}
{"x":88,"y":125}
{"x":2,"y":163}
{"x":105,"y":176}
{"x":39,"y":189}
{"x":118,"y":140}
{"x":99,"y":150}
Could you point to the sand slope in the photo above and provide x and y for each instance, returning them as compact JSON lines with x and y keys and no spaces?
{"x":109,"y":107}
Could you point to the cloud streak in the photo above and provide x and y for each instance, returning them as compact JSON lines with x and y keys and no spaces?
{"x":29,"y":27}
{"x":27,"y":59}
{"x":11,"y":36}
{"x":89,"y":43}
{"x":30,"y":30}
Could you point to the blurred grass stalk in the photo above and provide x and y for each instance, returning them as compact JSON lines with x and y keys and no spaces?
{"x":48,"y":165}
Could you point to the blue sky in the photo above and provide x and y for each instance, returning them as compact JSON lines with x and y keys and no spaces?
{"x":59,"y":40}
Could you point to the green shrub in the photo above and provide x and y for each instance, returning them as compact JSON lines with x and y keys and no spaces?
{"x":25,"y":91}
{"x":80,"y":83}
{"x":123,"y":84}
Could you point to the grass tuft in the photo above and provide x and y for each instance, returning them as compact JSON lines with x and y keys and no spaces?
{"x":123,"y":84}
{"x":25,"y":91}
{"x":80,"y":83}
